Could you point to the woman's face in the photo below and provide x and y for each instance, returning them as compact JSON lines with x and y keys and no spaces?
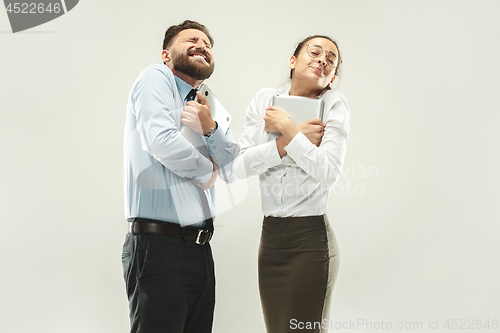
{"x":315,"y":72}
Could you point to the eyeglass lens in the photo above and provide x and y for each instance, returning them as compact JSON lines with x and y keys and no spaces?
{"x":316,"y":51}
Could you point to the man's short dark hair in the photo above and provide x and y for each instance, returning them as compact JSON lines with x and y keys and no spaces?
{"x":187,"y":24}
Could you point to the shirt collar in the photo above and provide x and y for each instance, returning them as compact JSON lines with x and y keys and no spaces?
{"x":283,"y":92}
{"x":183,"y":87}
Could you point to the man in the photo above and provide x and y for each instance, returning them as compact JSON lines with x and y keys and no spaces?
{"x":169,"y":193}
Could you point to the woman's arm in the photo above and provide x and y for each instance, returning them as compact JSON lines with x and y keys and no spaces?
{"x":276,"y":120}
{"x":253,"y":158}
{"x":324,"y":163}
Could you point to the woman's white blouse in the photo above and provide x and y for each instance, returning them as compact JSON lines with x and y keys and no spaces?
{"x":300,"y":190}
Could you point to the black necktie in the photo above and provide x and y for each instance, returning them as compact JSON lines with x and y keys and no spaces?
{"x":191,"y":95}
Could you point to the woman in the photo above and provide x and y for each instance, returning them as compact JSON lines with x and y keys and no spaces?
{"x":298,"y":254}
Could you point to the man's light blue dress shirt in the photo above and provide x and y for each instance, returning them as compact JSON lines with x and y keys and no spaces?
{"x":160,"y":166}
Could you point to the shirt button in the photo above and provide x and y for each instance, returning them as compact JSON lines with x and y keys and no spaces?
{"x":211,"y":141}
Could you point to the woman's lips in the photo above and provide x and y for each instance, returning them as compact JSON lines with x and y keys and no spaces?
{"x":318,"y":70}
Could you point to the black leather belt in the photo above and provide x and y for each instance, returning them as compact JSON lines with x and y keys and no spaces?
{"x":138,"y":225}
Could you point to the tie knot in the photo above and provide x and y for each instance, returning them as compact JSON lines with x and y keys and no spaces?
{"x":191,"y":95}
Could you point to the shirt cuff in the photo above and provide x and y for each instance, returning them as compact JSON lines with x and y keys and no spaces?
{"x":218,"y":144}
{"x":299,"y":146}
{"x":203,"y":171}
{"x":216,"y":138}
{"x":204,"y":178}
{"x":269,"y":153}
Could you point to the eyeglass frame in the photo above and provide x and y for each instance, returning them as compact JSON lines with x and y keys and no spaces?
{"x":321,"y":47}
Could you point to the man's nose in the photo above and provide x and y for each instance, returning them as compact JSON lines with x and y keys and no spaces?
{"x":200,"y":45}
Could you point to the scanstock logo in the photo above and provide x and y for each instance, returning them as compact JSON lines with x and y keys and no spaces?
{"x":26,"y":15}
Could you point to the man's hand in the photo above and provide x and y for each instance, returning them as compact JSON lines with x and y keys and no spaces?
{"x":313,"y":129}
{"x":213,"y":178}
{"x":197,"y":116}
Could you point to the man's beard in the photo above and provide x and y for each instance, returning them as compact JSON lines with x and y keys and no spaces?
{"x":183,"y":64}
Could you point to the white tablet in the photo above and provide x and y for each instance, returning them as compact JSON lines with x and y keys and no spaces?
{"x":299,"y":109}
{"x":219,"y":114}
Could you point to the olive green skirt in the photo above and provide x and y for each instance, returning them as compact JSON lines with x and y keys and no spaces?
{"x":298,"y":265}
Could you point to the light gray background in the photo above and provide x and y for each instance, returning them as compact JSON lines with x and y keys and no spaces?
{"x":415,"y":211}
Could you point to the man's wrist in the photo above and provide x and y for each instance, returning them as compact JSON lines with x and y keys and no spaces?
{"x":211,"y":130}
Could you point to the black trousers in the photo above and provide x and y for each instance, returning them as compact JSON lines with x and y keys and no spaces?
{"x":170,"y":284}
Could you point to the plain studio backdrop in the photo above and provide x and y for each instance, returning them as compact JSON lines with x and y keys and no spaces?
{"x":415,"y":211}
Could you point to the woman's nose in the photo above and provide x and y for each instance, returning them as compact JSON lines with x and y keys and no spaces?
{"x":322,"y":60}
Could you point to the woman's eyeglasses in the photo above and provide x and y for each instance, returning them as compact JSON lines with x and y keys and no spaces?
{"x":315,"y":51}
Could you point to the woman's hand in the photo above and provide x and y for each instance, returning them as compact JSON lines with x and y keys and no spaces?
{"x":313,"y":129}
{"x":276,"y":120}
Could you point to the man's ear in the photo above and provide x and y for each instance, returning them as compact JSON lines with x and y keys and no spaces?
{"x":291,"y":63}
{"x":165,"y":56}
{"x":333,"y":79}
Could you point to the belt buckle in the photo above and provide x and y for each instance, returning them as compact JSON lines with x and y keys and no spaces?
{"x":200,"y":232}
